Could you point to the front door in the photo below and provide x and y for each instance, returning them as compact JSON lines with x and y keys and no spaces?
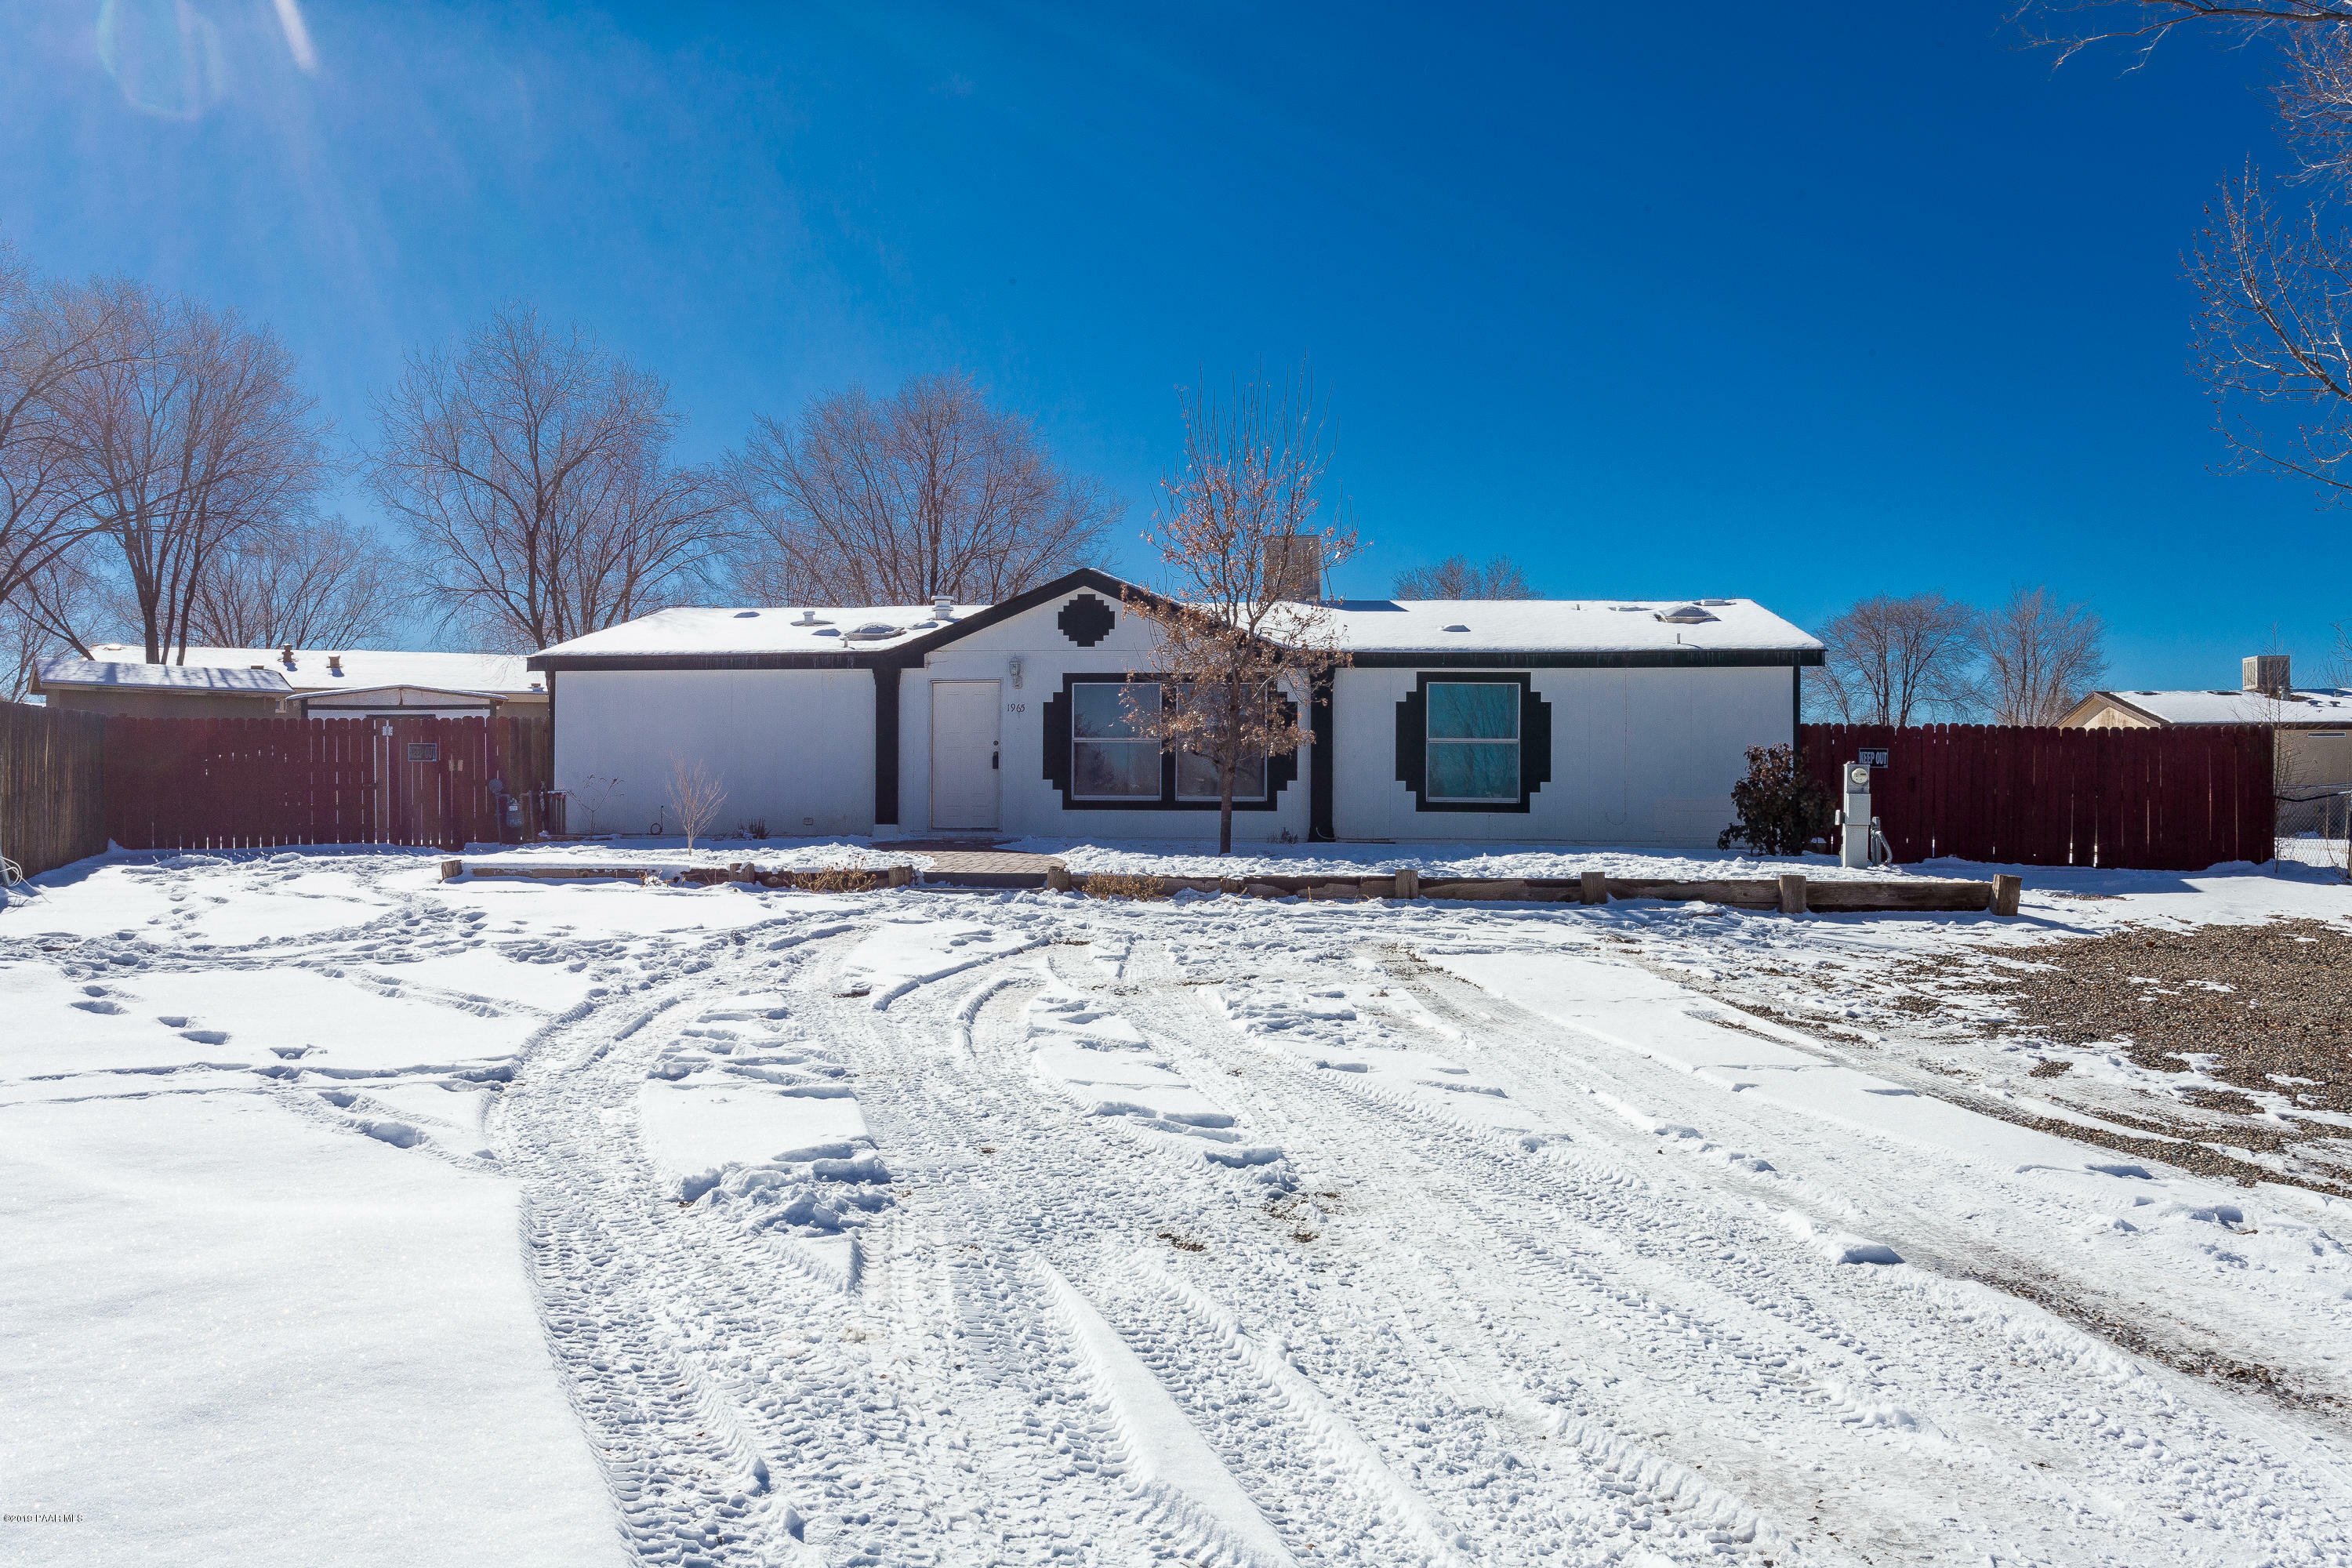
{"x":965,"y":755}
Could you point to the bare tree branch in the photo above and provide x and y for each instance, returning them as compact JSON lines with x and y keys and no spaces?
{"x":929,"y":492}
{"x":532,"y":470}
{"x":313,"y":585}
{"x":2040,"y":657}
{"x":48,"y":335}
{"x":1899,"y":662}
{"x":2141,"y":25}
{"x":186,"y":432}
{"x":1459,"y":577}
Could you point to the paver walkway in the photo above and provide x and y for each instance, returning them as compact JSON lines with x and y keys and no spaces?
{"x":970,"y":855}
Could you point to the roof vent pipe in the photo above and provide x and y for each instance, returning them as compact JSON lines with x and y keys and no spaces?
{"x":2266,"y":673}
{"x":942,"y":607}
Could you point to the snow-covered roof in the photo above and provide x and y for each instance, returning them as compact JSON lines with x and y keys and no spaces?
{"x":1365,"y":625}
{"x":723,"y":631}
{"x":2325,"y":705}
{"x":506,"y":673}
{"x":147,"y":677}
{"x":1421,"y":625}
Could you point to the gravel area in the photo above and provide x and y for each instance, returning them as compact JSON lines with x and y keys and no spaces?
{"x":2264,"y":1007}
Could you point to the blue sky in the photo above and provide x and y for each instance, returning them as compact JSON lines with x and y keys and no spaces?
{"x":1659,"y":301}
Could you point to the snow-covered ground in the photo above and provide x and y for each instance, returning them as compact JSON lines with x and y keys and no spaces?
{"x":352,"y":1217}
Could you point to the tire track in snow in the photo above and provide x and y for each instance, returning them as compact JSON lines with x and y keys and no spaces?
{"x":1666,"y":1257}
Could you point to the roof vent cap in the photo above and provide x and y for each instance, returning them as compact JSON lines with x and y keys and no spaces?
{"x":747,"y":615}
{"x":942,"y":607}
{"x":1687,"y":615}
{"x":809,"y":618}
{"x":1458,"y":629}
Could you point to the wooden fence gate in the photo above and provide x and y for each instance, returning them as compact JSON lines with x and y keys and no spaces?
{"x":258,"y":783}
{"x":2173,"y":800}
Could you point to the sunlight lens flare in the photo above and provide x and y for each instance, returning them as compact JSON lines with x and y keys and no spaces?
{"x":163,"y":55}
{"x":297,"y":36}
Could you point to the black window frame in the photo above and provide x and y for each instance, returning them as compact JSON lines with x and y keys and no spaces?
{"x":1061,"y":753}
{"x":1412,"y":740}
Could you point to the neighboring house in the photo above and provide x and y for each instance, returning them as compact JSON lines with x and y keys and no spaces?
{"x":2311,"y":729}
{"x":269,"y":683}
{"x":1488,"y":720}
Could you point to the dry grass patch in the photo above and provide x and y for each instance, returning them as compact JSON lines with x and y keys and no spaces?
{"x":1118,"y":885}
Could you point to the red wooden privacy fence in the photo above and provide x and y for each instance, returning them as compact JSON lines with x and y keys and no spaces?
{"x":2175,"y":800}
{"x":255,"y":784}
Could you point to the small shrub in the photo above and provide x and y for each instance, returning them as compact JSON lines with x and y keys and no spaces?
{"x":756,"y":828}
{"x":1781,"y":807}
{"x":1111,"y":885}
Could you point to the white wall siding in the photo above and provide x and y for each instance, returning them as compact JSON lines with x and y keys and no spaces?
{"x":1638,"y":756}
{"x":794,"y":747}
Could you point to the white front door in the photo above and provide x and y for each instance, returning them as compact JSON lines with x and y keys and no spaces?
{"x":964,"y":756}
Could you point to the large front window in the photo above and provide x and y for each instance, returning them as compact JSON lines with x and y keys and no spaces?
{"x":1474,"y":741}
{"x":1110,"y":758}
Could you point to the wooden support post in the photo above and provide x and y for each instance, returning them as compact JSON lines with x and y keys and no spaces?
{"x":1408,"y":882}
{"x":2005,"y":890}
{"x":452,"y":869}
{"x":1592,"y":888}
{"x":1792,"y":892}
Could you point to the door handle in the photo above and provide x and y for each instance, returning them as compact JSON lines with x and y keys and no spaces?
{"x":992,"y":759}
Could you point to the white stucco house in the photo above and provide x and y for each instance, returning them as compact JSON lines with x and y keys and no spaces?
{"x":1567,"y":719}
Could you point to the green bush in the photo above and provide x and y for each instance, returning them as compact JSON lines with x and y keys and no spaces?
{"x":1781,"y":807}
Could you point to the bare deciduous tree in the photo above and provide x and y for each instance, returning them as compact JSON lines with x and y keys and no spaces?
{"x":2069,"y":27}
{"x":1459,"y":577}
{"x":532,"y":469}
{"x":312,"y":585}
{"x":186,"y":433}
{"x":695,"y":797}
{"x":1240,"y":662}
{"x":1899,"y":662}
{"x":47,"y":336}
{"x":892,"y":501}
{"x":2040,"y":657}
{"x":2271,"y":339}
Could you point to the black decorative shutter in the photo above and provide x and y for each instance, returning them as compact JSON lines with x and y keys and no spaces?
{"x":1057,"y":742}
{"x":1535,"y":743}
{"x":1412,"y":741}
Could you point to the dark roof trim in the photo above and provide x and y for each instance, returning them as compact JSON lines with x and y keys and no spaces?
{"x":905,"y":655}
{"x":910,"y":655}
{"x":1595,"y":658}
{"x":703,"y":662}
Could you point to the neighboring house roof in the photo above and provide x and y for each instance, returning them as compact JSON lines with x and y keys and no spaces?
{"x":1666,"y":630}
{"x":507,"y":674}
{"x":2324,"y":708}
{"x":143,"y":676}
{"x":340,"y":695}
